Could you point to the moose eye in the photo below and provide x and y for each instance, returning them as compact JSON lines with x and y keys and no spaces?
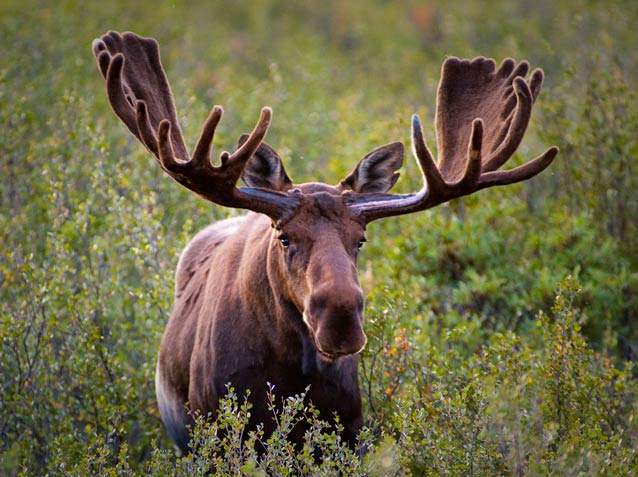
{"x":284,"y":240}
{"x":360,"y":244}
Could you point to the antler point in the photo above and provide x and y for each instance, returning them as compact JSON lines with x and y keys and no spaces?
{"x":521,"y":87}
{"x":97,"y":45}
{"x":266,"y":112}
{"x":117,"y":60}
{"x":163,"y":128}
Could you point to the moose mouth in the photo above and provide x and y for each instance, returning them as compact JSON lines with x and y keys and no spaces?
{"x":326,"y":355}
{"x":332,"y":356}
{"x":329,"y":357}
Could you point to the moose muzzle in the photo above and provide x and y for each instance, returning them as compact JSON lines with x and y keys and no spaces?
{"x":335,"y":317}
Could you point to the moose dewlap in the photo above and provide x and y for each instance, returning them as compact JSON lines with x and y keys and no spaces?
{"x":274,"y":296}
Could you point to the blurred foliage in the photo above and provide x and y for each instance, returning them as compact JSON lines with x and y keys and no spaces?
{"x":462,"y":375}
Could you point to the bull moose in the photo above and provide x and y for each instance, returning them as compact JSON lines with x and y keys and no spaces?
{"x":273,"y":296}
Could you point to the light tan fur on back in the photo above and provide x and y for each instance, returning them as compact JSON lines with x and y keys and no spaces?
{"x":200,"y":250}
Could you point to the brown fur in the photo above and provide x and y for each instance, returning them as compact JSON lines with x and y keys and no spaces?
{"x":273,"y":297}
{"x":239,"y":317}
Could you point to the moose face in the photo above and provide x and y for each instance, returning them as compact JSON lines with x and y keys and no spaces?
{"x":319,"y":240}
{"x":318,"y":249}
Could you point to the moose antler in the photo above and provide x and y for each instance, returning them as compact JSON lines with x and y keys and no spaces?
{"x":141,"y":97}
{"x":482,"y":115}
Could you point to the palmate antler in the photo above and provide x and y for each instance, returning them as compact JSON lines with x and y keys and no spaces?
{"x":482,"y":115}
{"x":141,"y":97}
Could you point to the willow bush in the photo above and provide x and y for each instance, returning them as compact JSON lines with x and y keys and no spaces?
{"x":502,"y":326}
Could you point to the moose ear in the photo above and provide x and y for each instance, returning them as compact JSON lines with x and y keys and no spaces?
{"x":264,"y":169}
{"x":376,"y":172}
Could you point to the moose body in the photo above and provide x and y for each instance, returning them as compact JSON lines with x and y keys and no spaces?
{"x":271,"y":300}
{"x":236,"y":321}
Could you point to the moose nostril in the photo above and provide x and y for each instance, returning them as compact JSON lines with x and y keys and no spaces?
{"x":317,"y":303}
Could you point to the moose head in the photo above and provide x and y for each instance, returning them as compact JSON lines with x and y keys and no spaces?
{"x":273,"y":296}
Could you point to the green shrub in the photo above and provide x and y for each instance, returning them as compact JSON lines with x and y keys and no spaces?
{"x":462,"y":374}
{"x":543,"y":405}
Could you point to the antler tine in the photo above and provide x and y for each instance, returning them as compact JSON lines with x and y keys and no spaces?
{"x":102,"y":60}
{"x":141,"y":97}
{"x":536,"y":82}
{"x":429,"y":171}
{"x":201,"y":154}
{"x":167,"y":155}
{"x":147,"y":135}
{"x":473,"y":167}
{"x":518,"y":126}
{"x":238,"y":159}
{"x":498,"y":105}
{"x":115,"y":91}
{"x":520,"y":173}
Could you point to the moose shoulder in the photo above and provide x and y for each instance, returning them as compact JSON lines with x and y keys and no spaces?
{"x":273,"y":296}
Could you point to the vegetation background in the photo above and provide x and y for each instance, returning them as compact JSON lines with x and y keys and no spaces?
{"x":503,"y":326}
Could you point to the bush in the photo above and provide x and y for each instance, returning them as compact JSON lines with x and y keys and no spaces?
{"x":475,"y":365}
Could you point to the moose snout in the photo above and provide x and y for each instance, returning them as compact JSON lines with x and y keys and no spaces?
{"x":335,"y":317}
